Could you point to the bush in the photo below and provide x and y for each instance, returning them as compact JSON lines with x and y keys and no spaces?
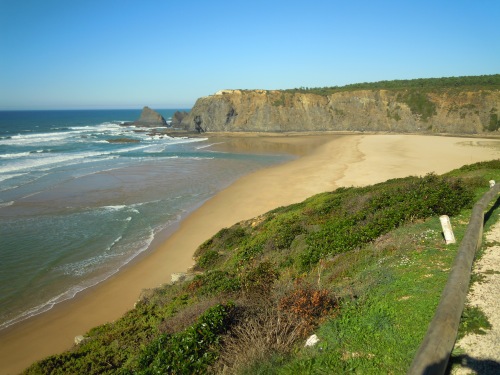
{"x":384,"y":209}
{"x":214,"y":282}
{"x":494,"y":123}
{"x":283,"y":231}
{"x":208,"y":259}
{"x":259,"y":280}
{"x":419,"y":104}
{"x":225,"y":239}
{"x":309,"y":304}
{"x":190,"y":351}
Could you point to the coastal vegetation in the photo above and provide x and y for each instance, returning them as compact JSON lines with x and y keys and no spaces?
{"x":362,"y":268}
{"x":463,"y":83}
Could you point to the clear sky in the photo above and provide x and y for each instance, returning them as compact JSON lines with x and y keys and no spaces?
{"x":57,"y":54}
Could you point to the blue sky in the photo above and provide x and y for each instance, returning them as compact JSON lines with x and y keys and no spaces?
{"x":126,"y":54}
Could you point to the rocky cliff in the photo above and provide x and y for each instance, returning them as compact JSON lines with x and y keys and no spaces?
{"x":440,"y":111}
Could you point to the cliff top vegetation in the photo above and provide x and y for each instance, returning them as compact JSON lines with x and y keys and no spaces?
{"x":482,"y":82}
{"x":363,"y":268}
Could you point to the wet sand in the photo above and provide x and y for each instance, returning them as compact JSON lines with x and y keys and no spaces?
{"x":325,"y":162}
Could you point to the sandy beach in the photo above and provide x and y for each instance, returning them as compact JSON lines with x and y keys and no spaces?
{"x":325,"y":162}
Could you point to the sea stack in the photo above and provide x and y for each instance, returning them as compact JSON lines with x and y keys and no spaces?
{"x":150,"y":118}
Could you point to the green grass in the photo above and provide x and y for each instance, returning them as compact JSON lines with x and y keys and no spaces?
{"x":395,"y":293}
{"x":473,"y":321}
{"x":363,"y":268}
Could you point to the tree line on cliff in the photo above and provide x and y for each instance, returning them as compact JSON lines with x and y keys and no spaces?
{"x":482,"y":82}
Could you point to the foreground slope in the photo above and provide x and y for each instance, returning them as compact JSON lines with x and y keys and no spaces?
{"x":363,"y":268}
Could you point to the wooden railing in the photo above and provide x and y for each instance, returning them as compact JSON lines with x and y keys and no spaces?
{"x":435,"y":350}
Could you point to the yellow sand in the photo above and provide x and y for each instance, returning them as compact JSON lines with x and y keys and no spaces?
{"x":327,"y":161}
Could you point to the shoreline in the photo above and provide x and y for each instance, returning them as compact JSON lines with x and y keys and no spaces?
{"x":325,"y":162}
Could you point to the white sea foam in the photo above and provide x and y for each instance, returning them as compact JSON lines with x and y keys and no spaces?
{"x":8,"y":176}
{"x":87,"y":266}
{"x":15,"y":155}
{"x":104,"y":125}
{"x":187,"y":140}
{"x":130,"y":149}
{"x":114,"y":208}
{"x":81,"y":161}
{"x":155,"y":149}
{"x":209,"y":145}
{"x":45,"y":160}
{"x":130,"y":208}
{"x":6,"y":204}
{"x":60,"y":136}
{"x":36,"y":138}
{"x":145,"y":203}
{"x":200,"y":158}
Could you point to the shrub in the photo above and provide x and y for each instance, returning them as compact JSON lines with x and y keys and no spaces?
{"x":309,"y":304}
{"x":208,"y":259}
{"x":252,"y":247}
{"x":190,"y":351}
{"x":494,"y":123}
{"x":259,"y":280}
{"x":283,"y":230}
{"x":214,"y":282}
{"x":419,"y":104}
{"x":384,"y":209}
{"x":224,"y":239}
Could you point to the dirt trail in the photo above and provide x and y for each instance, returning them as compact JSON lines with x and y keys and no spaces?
{"x":481,"y":353}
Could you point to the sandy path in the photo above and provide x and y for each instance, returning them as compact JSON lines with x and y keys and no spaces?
{"x":482,"y":352}
{"x":334,"y":161}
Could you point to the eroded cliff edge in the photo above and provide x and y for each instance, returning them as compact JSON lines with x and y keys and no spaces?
{"x":440,"y":111}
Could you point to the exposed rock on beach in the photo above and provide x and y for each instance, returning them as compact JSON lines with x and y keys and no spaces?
{"x":123,"y":140}
{"x":149,"y":118}
{"x":177,"y":119}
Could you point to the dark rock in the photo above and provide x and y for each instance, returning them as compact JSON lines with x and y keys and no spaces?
{"x":198,"y":121}
{"x":150,"y":118}
{"x":177,"y":118}
{"x":123,"y":140}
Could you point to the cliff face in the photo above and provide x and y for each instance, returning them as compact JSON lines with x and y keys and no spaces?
{"x":465,"y":112}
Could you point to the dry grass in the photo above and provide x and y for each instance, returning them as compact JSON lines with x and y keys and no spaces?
{"x":257,"y":335}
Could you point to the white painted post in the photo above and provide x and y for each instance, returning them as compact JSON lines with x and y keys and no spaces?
{"x":449,"y":237}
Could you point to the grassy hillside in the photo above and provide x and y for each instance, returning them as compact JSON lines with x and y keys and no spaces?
{"x":363,"y":268}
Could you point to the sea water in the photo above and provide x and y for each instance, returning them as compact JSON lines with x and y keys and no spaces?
{"x":75,"y":208}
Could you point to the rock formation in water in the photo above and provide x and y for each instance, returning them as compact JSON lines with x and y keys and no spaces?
{"x":454,"y":111}
{"x":177,"y":118}
{"x":150,"y":118}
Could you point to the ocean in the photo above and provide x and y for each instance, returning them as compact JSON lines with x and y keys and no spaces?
{"x":75,"y":208}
